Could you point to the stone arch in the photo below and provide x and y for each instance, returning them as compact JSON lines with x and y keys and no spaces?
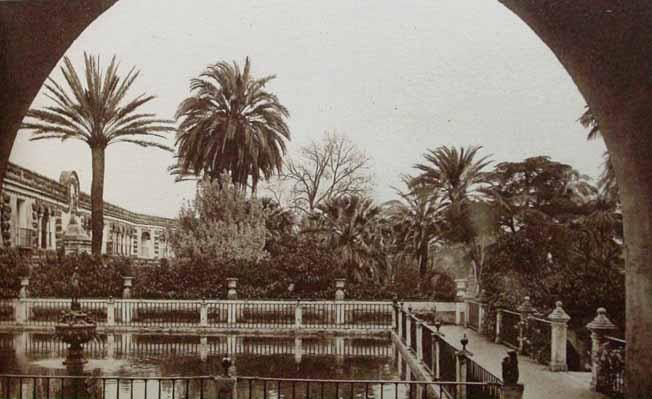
{"x":595,"y":40}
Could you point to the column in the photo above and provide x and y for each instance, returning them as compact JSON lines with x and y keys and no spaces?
{"x":110,"y":313}
{"x":558,"y":336}
{"x":460,"y":366}
{"x":419,"y":337}
{"x":599,"y":327}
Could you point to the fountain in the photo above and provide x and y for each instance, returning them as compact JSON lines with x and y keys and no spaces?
{"x":75,"y":328}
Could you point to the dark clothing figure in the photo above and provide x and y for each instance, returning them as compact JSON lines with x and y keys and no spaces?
{"x":510,"y":368}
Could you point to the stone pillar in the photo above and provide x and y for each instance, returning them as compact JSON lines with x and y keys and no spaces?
{"x":460,"y":367}
{"x":558,"y":331}
{"x":499,"y":322}
{"x":599,"y":327}
{"x":419,"y":337}
{"x":231,"y":313}
{"x":203,"y":313}
{"x":110,"y":312}
{"x":436,"y":371}
{"x":232,"y":285}
{"x":482,"y":308}
{"x":127,"y":283}
{"x":459,"y":313}
{"x":526,"y":310}
{"x":24,"y":291}
{"x":298,"y":314}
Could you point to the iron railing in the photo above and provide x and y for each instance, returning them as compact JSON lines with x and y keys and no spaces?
{"x":413,"y":333}
{"x":537,"y":336}
{"x":510,"y":328}
{"x":448,"y":366}
{"x":611,"y":358}
{"x":55,"y":387}
{"x":477,"y":373}
{"x":426,"y":346}
{"x":474,"y":316}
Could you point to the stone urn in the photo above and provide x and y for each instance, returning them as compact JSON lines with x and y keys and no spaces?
{"x":340,"y":283}
{"x":127,"y":283}
{"x":232,"y":285}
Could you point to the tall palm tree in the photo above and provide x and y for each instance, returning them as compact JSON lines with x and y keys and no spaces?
{"x":416,"y":220}
{"x":231,"y":123}
{"x":349,"y":225}
{"x":459,"y":176}
{"x":95,"y":111}
{"x":607,"y":182}
{"x":457,"y":173}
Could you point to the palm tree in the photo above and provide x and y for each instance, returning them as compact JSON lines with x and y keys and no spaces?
{"x":231,"y":123}
{"x":349,"y":227}
{"x":457,"y":173}
{"x":416,"y":221}
{"x":607,"y":182}
{"x":459,"y":176}
{"x":96,"y":112}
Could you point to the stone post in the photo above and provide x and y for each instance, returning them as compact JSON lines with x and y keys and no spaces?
{"x":436,"y":372}
{"x":482,"y":305}
{"x":460,"y":367}
{"x":232,"y":286}
{"x":419,"y":337}
{"x":599,"y":327}
{"x":499,"y":322}
{"x":298,"y":314}
{"x":127,"y":283}
{"x":203,"y":313}
{"x":459,"y":313}
{"x":526,"y":310}
{"x":339,"y":289}
{"x":408,"y":328}
{"x":24,"y":284}
{"x":110,"y":312}
{"x":558,"y":331}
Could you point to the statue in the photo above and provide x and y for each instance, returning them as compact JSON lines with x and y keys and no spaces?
{"x":510,"y":368}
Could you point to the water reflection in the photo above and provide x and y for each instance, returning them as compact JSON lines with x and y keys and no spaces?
{"x":135,"y":356}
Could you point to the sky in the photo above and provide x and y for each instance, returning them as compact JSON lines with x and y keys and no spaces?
{"x":397,"y":78}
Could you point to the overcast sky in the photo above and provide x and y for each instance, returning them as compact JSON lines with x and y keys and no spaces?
{"x":396,"y":77}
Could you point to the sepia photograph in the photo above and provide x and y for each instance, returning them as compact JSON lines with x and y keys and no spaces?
{"x":291,"y":199}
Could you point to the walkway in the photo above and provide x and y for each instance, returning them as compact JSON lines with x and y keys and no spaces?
{"x":540,"y":383}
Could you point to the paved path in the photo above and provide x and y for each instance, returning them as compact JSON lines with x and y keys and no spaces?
{"x":540,"y":383}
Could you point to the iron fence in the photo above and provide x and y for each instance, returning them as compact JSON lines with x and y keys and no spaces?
{"x":611,"y":358}
{"x":98,"y":387}
{"x":477,"y":373}
{"x":537,"y":339}
{"x":448,"y":366}
{"x":510,"y":328}
{"x":474,"y":316}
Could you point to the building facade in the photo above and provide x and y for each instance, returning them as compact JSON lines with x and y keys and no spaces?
{"x":39,"y":213}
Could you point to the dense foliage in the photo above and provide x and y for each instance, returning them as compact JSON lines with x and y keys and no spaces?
{"x":221,"y":223}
